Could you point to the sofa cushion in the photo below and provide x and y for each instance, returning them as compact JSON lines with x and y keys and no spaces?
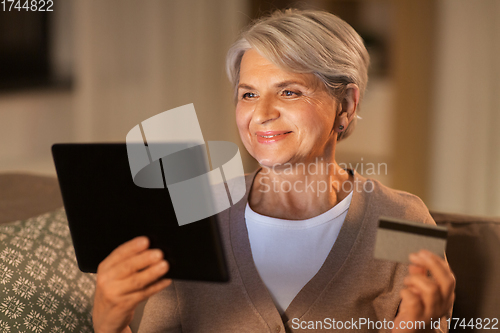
{"x":473,"y":252}
{"x":41,"y":287}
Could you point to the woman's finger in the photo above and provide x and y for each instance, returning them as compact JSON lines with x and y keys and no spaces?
{"x":417,"y":270}
{"x":152,"y":289}
{"x":134,"y":264}
{"x":429,"y":293}
{"x":411,"y":307}
{"x":439,"y":269}
{"x":124,"y":251}
{"x":143,"y":279}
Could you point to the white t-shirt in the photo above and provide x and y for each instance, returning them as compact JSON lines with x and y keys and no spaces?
{"x":288,"y":253}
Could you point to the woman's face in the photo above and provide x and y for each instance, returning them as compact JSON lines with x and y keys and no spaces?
{"x":283,"y":117}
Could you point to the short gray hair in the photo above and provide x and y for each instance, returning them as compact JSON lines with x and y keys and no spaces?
{"x":307,"y":41}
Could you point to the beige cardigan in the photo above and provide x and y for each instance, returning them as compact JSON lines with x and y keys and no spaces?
{"x":349,"y":286}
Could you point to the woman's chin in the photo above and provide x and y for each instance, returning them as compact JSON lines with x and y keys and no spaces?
{"x":272,"y":161}
{"x":271,"y":157}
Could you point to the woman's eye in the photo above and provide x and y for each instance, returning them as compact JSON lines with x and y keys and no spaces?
{"x":248,"y":95}
{"x":289,"y":93}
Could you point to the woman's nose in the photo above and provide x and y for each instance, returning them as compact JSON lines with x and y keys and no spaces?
{"x":265,"y":110}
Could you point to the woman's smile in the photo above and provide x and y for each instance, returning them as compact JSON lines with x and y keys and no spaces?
{"x":271,"y":136}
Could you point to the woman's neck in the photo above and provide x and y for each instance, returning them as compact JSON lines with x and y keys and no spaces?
{"x":299,"y":191}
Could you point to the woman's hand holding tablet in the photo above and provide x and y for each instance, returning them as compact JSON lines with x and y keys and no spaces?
{"x":128,"y":276}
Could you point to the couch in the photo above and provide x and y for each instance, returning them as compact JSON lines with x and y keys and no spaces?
{"x":43,"y":290}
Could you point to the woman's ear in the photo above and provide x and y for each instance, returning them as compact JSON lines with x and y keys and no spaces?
{"x":347,"y":108}
{"x":351,"y":100}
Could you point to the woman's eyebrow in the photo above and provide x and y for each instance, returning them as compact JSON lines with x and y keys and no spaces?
{"x":277,"y":85}
{"x":245,"y":86}
{"x":288,"y":83}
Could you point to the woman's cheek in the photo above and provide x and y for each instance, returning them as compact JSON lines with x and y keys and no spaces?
{"x":243,"y":123}
{"x":243,"y":117}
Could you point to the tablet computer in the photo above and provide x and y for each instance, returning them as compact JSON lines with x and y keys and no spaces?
{"x":105,"y":209}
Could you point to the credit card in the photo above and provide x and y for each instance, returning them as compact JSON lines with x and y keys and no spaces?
{"x":397,"y":238}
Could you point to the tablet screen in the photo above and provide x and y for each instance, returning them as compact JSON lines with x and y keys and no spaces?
{"x":105,"y":209}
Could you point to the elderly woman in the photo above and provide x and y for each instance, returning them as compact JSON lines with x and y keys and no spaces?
{"x":299,"y":245}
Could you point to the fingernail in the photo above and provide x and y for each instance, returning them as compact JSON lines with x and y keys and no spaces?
{"x":142,"y":241}
{"x":162,"y":265}
{"x":157,"y":254}
{"x":413,"y":257}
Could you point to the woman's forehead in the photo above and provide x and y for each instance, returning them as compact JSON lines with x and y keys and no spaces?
{"x":255,"y":67}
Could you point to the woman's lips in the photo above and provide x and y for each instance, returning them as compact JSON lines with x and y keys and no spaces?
{"x":271,"y":136}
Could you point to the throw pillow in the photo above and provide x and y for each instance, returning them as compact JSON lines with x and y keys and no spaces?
{"x":41,"y":288}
